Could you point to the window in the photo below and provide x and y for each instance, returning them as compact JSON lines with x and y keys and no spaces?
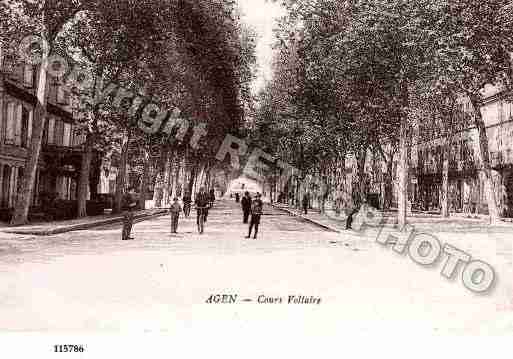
{"x":14,"y":70}
{"x":18,"y":124}
{"x":6,"y":186}
{"x":66,"y":141}
{"x":29,"y":131}
{"x":28,"y":75}
{"x":24,"y":136}
{"x":59,"y":132}
{"x":52,"y":89}
{"x":62,"y":95}
{"x":45,"y":132}
{"x":51,"y":131}
{"x":10,"y":124}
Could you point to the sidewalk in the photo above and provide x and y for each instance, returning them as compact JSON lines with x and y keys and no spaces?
{"x":422,"y":221}
{"x":51,"y":228}
{"x":315,"y":217}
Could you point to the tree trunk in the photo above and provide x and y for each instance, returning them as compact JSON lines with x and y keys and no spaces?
{"x":83,"y":181}
{"x":192,"y":180}
{"x":402,"y":173}
{"x":445,"y":179}
{"x":176,"y":181}
{"x":160,"y":179}
{"x":489,"y":187}
{"x":359,"y":192}
{"x":389,"y":187}
{"x":167,"y":181}
{"x":120,"y":179}
{"x":24,"y":197}
{"x":323,"y":191}
{"x":144,"y":181}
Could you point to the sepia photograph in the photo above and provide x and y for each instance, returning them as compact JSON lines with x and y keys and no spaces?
{"x":272,"y":178}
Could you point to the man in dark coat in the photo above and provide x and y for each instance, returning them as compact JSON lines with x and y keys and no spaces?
{"x":257,"y":208}
{"x":202,"y":202}
{"x":306,"y":203}
{"x":246,"y":206}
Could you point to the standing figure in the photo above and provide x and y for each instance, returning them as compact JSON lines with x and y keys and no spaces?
{"x":474,"y":199}
{"x":246,"y":207}
{"x":305,"y":203}
{"x":237,"y":197}
{"x":466,"y":198}
{"x":257,"y":208}
{"x":202,"y":201}
{"x":187,"y":204}
{"x":128,"y":218}
{"x":212,"y":197}
{"x":175,"y":215}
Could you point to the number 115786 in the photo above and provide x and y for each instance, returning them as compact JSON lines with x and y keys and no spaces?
{"x":68,"y":348}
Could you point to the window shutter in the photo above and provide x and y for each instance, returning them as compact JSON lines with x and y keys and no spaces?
{"x":59,"y":132}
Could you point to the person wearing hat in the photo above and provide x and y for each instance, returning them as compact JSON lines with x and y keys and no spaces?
{"x":175,"y":215}
{"x":256,"y":212}
{"x":246,"y":207}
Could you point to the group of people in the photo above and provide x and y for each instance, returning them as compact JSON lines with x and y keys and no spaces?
{"x":255,"y":208}
{"x":252,"y":209}
{"x":203,"y":202}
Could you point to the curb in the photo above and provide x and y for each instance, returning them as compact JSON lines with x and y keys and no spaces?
{"x":82,"y":226}
{"x":325,"y":226}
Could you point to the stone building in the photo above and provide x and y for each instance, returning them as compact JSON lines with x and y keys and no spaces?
{"x":466,"y":183}
{"x":59,"y":163}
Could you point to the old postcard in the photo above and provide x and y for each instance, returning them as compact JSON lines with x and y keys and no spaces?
{"x":269,"y":172}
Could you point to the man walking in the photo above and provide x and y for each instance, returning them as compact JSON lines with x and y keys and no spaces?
{"x":212,"y":197}
{"x":246,"y":207}
{"x":202,"y":201}
{"x":175,"y":215}
{"x":256,"y":212}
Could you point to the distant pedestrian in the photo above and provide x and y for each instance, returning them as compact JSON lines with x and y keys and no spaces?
{"x":237,"y":197}
{"x":257,"y":208}
{"x":466,"y":198}
{"x":351,"y":208}
{"x":306,"y":203}
{"x":212,"y":197}
{"x":128,"y":219}
{"x":175,"y":215}
{"x":246,"y":207}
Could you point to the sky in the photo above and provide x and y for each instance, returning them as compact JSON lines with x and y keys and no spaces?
{"x":262,"y":16}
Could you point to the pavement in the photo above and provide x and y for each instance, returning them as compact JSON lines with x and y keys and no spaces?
{"x":91,"y":281}
{"x":56,"y":227}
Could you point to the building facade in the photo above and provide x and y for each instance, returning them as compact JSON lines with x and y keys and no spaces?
{"x":62,"y":148}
